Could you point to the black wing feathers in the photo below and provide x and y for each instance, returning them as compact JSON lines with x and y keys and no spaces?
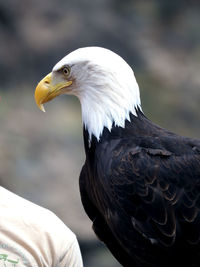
{"x":145,"y":185}
{"x":141,"y":196}
{"x":157,"y":189}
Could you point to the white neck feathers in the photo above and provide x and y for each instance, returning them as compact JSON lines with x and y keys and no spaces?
{"x":108,"y":101}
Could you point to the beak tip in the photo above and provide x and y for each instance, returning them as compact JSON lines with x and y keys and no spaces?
{"x":42,"y":108}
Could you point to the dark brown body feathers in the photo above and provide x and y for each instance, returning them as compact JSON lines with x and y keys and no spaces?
{"x":140,"y":186}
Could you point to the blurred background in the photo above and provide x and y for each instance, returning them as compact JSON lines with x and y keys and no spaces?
{"x":41,"y":154}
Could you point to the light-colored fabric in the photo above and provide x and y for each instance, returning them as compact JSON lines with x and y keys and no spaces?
{"x":33,"y":236}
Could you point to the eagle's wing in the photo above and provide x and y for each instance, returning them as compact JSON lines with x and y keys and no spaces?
{"x":154,"y":191}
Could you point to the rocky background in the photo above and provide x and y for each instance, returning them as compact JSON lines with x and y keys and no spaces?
{"x":41,"y":154}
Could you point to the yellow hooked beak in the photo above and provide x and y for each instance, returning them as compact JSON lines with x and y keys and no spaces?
{"x":45,"y":91}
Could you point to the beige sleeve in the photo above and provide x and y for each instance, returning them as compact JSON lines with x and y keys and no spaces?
{"x":72,"y":256}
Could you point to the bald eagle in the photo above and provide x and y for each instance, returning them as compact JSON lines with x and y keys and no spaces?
{"x":140,"y":184}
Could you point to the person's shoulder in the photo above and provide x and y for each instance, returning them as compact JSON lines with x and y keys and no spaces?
{"x":34,"y":217}
{"x":53,"y":224}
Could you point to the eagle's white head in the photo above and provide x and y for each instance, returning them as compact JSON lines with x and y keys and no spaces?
{"x":104,"y":83}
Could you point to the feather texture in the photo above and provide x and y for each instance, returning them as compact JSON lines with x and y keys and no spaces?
{"x":144,"y":185}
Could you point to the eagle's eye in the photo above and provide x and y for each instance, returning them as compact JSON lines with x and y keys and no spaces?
{"x":66,"y":70}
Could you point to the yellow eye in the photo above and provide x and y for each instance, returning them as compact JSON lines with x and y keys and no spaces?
{"x":66,"y":70}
